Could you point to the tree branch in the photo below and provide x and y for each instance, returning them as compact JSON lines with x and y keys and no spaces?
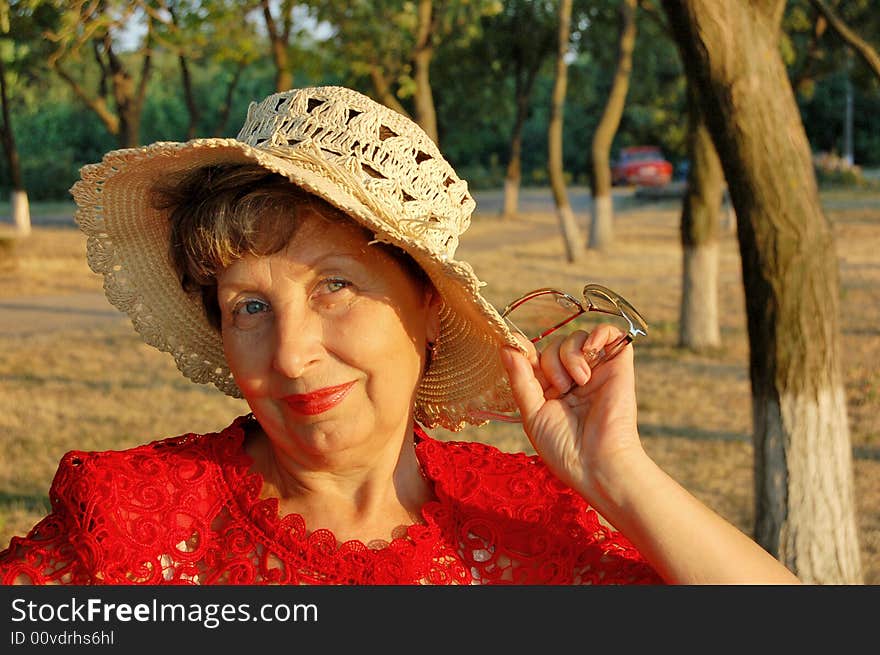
{"x":226,"y":107}
{"x":287,"y":21}
{"x":145,"y":65}
{"x":102,"y":82}
{"x":383,"y":90}
{"x":270,"y":21}
{"x":862,"y":48}
{"x":98,"y":105}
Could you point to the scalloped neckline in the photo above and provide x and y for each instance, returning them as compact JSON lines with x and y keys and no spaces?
{"x":240,"y":483}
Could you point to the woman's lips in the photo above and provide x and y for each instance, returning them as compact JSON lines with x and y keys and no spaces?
{"x":318,"y":401}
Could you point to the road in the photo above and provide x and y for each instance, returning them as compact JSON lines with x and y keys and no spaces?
{"x":28,"y":315}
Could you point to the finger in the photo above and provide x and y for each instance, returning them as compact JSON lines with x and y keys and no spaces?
{"x":603,"y":343}
{"x":528,"y":346}
{"x":606,"y":360}
{"x":532,"y":357}
{"x":553,"y":368}
{"x":573,"y":358}
{"x":527,"y":390}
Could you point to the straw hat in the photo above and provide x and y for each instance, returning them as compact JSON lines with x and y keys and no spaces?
{"x":330,"y":142}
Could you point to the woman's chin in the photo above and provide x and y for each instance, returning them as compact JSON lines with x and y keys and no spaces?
{"x":323,"y":432}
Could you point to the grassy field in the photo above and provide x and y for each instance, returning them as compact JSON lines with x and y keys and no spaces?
{"x":101,"y":387}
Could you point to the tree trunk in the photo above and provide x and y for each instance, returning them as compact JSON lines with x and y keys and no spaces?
{"x":804,"y":496}
{"x":601,"y":227}
{"x":226,"y":107}
{"x":18,"y":200}
{"x":513,"y":178}
{"x":129,"y":127}
{"x":191,"y":105}
{"x":426,"y":115}
{"x":283,"y":76}
{"x":383,"y":91}
{"x":512,"y":181}
{"x":9,"y":148}
{"x":699,"y":324}
{"x":278,"y":44}
{"x":525,"y":75}
{"x":21,"y":212}
{"x":567,"y":224}
{"x":129,"y":98}
{"x":115,"y":79}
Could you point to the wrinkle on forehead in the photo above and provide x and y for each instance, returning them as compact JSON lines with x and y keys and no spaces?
{"x":340,"y":237}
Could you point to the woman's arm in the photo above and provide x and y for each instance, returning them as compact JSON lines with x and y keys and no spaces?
{"x":589,"y":439}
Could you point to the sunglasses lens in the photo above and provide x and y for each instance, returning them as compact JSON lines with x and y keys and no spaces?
{"x":601,"y":299}
{"x":606,"y":301}
{"x":542,"y":314}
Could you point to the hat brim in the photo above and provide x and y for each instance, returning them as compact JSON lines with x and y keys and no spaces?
{"x":128,"y":245}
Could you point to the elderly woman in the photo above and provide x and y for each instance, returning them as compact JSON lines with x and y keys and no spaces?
{"x":308,"y":267}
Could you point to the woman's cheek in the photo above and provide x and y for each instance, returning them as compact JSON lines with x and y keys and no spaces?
{"x":249,"y":360}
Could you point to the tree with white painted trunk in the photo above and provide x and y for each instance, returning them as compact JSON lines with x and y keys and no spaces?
{"x":699,"y":327}
{"x":18,"y":199}
{"x":517,"y":42}
{"x":567,"y":224}
{"x":701,"y":222}
{"x":602,"y":223}
{"x":804,"y":495}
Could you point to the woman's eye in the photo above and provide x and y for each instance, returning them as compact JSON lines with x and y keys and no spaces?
{"x":254,"y":307}
{"x":333,"y":294}
{"x":336,"y":284}
{"x":247,"y":313}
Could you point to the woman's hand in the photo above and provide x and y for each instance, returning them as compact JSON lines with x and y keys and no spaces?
{"x":588,"y":437}
{"x":585,"y":433}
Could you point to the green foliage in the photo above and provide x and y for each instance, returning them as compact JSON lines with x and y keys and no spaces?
{"x":54,"y":140}
{"x":823,"y":113}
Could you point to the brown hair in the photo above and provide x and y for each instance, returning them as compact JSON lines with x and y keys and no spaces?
{"x":223,"y":212}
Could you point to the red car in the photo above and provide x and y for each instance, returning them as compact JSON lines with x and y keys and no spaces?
{"x":641,"y":166}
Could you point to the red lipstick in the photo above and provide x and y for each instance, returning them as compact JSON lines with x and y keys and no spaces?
{"x":318,"y":401}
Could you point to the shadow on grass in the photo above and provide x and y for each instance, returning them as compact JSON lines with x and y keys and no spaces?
{"x":104,"y":386}
{"x":38,"y":503}
{"x":697,"y":365}
{"x":698,"y":434}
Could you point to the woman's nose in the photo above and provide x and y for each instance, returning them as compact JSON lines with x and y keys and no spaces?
{"x":298,"y":337}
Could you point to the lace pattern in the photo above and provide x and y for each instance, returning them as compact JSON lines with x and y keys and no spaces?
{"x":187,"y":510}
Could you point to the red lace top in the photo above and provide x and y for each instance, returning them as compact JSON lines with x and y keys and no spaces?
{"x":186,"y":510}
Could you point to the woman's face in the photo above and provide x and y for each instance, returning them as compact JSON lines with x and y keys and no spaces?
{"x":326,"y":338}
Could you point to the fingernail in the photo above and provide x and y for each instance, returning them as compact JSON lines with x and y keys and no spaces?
{"x":594,"y":356}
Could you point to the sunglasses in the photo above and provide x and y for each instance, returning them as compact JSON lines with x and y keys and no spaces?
{"x":542,"y":312}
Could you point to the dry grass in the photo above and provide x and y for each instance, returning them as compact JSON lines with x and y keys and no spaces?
{"x":102,"y":388}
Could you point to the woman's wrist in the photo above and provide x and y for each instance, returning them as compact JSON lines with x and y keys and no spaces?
{"x":685,"y":541}
{"x":610,"y":488}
